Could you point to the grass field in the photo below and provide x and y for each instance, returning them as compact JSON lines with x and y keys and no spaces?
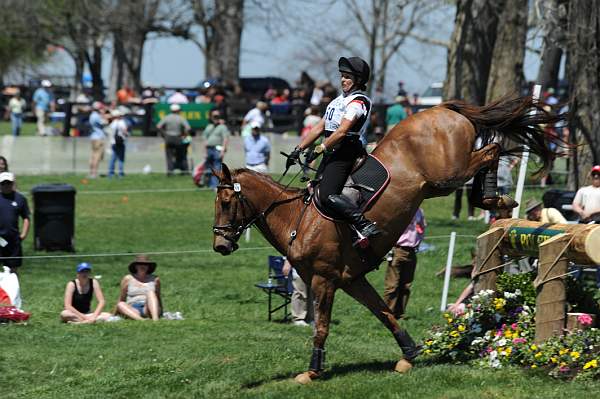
{"x":225,"y":348}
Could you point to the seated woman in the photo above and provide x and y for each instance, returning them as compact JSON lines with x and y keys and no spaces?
{"x":78,"y":298}
{"x":140,"y":291}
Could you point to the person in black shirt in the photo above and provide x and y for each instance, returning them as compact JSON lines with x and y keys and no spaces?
{"x":12,"y":206}
{"x":78,"y":298}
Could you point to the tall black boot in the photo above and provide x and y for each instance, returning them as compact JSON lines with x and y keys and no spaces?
{"x":488,"y":198}
{"x":344,"y":207}
{"x":406,"y":343}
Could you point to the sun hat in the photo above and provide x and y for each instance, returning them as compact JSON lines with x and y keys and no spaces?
{"x":175,"y":108}
{"x":46,"y":83}
{"x":531,"y":204}
{"x":142,"y":260}
{"x":83,"y":266}
{"x":7,"y":176}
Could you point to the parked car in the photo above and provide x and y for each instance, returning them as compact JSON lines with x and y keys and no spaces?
{"x":432,"y":96}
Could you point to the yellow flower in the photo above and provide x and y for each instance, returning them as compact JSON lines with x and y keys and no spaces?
{"x":575,"y":355}
{"x":554,"y":359}
{"x":562,"y":364}
{"x":454,"y":334}
{"x":563,"y":351}
{"x":508,"y":334}
{"x":538,"y":355}
{"x":533,"y":366}
{"x":499,"y":303}
{"x":429,"y":342}
{"x":461,"y":328}
{"x":508,"y":351}
{"x":449,"y":320}
{"x":427,"y":351}
{"x":591,"y":364}
{"x":534,"y":347}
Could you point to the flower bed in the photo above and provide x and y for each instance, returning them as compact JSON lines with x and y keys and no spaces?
{"x":497,"y":330}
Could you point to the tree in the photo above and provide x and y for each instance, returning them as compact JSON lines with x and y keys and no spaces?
{"x":221,"y":23}
{"x":471,"y":49}
{"x":506,"y":72}
{"x":583,"y":35}
{"x":552,"y":21}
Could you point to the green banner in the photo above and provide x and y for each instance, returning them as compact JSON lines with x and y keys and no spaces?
{"x":527,"y":239}
{"x":197,"y":115}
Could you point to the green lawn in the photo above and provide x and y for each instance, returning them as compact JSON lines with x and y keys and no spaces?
{"x":225,"y":348}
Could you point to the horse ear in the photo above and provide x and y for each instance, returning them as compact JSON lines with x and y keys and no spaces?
{"x":225,"y":174}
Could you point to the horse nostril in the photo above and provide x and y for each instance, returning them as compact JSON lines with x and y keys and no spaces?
{"x":223,"y":249}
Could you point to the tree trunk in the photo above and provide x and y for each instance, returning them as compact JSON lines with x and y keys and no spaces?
{"x":95,"y":66}
{"x":222,"y":45}
{"x":506,"y":73}
{"x":471,"y":48}
{"x":584,"y":79}
{"x":553,"y":21}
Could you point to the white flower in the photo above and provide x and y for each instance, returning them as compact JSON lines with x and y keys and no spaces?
{"x":493,"y":355}
{"x":518,"y":292}
{"x":502,"y":342}
{"x":509,"y":295}
{"x":495,"y":363}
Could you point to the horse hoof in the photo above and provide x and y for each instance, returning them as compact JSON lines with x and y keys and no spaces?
{"x":403,"y":366}
{"x":305,"y":378}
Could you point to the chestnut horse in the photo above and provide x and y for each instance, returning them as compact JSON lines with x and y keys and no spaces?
{"x":428,"y":155}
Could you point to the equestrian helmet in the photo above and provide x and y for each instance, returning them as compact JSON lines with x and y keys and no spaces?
{"x":357,"y":67}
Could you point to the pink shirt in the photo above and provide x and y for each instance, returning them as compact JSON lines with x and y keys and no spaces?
{"x":414,"y":233}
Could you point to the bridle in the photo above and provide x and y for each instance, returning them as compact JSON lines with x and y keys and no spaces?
{"x":233,"y":230}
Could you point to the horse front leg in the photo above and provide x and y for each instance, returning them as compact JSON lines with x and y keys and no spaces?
{"x":323,"y":292}
{"x":361,"y":290}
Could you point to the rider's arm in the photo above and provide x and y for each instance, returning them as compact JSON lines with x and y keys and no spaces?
{"x":313,"y":135}
{"x":339,"y":133}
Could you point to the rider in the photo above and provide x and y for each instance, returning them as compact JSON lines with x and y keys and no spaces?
{"x":345,"y":121}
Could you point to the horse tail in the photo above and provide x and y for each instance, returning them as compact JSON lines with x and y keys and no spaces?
{"x":519,"y":119}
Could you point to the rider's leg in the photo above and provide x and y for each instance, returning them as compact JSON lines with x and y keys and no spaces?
{"x":343,"y":206}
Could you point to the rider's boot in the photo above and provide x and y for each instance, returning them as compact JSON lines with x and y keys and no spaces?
{"x":344,"y":207}
{"x":491,"y":200}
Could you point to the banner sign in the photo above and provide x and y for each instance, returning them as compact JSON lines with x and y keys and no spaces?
{"x":527,"y":239}
{"x":197,"y":115}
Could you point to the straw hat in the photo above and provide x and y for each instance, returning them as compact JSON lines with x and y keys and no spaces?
{"x":531,"y":204}
{"x":142,"y":260}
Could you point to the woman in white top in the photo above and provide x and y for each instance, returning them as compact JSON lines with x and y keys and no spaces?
{"x":140,"y":291}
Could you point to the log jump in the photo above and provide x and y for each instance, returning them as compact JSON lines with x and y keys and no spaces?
{"x":555,"y":245}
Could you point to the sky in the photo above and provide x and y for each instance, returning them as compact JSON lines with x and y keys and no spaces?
{"x":175,"y":62}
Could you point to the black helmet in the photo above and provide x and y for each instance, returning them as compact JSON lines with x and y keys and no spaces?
{"x":357,"y":67}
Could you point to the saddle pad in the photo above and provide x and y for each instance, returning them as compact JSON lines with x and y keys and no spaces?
{"x":372,"y":173}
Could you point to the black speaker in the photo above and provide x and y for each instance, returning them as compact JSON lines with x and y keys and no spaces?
{"x":54,"y":217}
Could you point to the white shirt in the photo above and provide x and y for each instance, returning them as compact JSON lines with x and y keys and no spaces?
{"x":118,"y":126}
{"x":16,"y":106}
{"x":178,"y":98}
{"x":255,"y":115}
{"x":351,"y":107}
{"x":589,"y":199}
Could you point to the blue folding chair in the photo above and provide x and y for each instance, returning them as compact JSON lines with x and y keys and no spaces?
{"x":278,"y":284}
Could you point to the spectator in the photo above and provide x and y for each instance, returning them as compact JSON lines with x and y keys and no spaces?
{"x":16,"y":107}
{"x":318,"y":92}
{"x":311,"y":119}
{"x":216,"y":135}
{"x":203,"y":97}
{"x":97,"y":137}
{"x":178,"y":98}
{"x":468,"y":187}
{"x":301,"y":305}
{"x":282,"y":97}
{"x":587,"y":199}
{"x":3,"y":164}
{"x":42,"y":104}
{"x":125,"y":95}
{"x":174,"y":128}
{"x":535,"y":211}
{"x":140,"y":291}
{"x":12,"y":206}
{"x":78,"y":298}
{"x":395,"y":113}
{"x":401,"y":91}
{"x":400,"y":272}
{"x":258,"y":150}
{"x":119,"y":131}
{"x":256,"y":114}
{"x":505,"y":180}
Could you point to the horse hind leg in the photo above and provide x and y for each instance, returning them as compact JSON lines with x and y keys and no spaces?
{"x":323,"y":294}
{"x":361,"y":290}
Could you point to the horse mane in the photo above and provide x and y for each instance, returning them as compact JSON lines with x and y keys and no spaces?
{"x":267,"y":180}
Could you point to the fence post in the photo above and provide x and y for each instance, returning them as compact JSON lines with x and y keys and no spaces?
{"x":448,"y":271}
{"x":248,"y":234}
{"x":488,"y":259}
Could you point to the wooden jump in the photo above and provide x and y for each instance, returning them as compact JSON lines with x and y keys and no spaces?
{"x":555,"y":245}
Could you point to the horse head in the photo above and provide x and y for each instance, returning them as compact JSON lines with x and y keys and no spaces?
{"x":231,"y":213}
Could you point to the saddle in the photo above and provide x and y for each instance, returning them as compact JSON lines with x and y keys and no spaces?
{"x":367,"y":181}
